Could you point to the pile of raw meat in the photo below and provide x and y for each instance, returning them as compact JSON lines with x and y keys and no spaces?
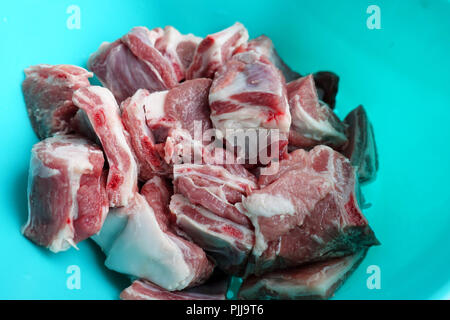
{"x":182,"y":212}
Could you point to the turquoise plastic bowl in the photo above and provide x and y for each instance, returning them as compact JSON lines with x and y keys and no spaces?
{"x":399,"y":73}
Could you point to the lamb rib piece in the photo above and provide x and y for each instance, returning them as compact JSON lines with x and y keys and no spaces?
{"x":214,"y":50}
{"x":144,"y":290}
{"x":264,"y":45}
{"x":318,"y":280}
{"x":361,"y":148}
{"x":313,"y":122}
{"x":47,"y":90}
{"x":327,"y":86}
{"x":248,"y":92}
{"x":142,"y":140}
{"x":67,"y":202}
{"x":136,"y":244}
{"x":178,"y":48}
{"x":133,"y":63}
{"x":104,"y":115}
{"x":318,"y":221}
{"x":214,"y":188}
{"x":227,"y":242}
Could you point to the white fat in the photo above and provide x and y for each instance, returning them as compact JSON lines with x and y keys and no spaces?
{"x":264,"y":205}
{"x":244,"y":118}
{"x":154,"y":105}
{"x":143,"y":250}
{"x":37,"y":169}
{"x":267,"y":205}
{"x":63,"y":240}
{"x":171,"y":38}
{"x":260,"y":242}
{"x":75,"y":156}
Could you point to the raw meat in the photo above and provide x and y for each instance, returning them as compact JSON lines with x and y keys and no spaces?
{"x":248,"y":92}
{"x":135,"y":244}
{"x":178,"y":48}
{"x":47,"y":90}
{"x":327,"y":87}
{"x":180,"y":147}
{"x":104,"y":115}
{"x":164,"y":124}
{"x":133,"y":63}
{"x":316,"y":222}
{"x":213,"y":155}
{"x":313,"y":122}
{"x":144,"y":290}
{"x":82,"y":126}
{"x":141,"y":42}
{"x":263,"y":45}
{"x":227,"y":242}
{"x":67,"y":201}
{"x":214,"y":50}
{"x":157,"y":193}
{"x":142,"y":140}
{"x":361,"y":148}
{"x":214,"y":188}
{"x":181,"y":107}
{"x":318,"y":280}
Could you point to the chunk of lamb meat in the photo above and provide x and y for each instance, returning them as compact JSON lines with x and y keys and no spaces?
{"x":180,"y":120}
{"x":136,"y":244}
{"x":153,"y":119}
{"x":264,"y":45}
{"x":327,"y":87}
{"x":215,"y":188}
{"x":180,"y":107}
{"x":361,"y":148}
{"x":313,"y":122}
{"x":144,"y":290}
{"x":47,"y":90}
{"x":67,"y":202}
{"x":133,"y":63}
{"x":142,"y":140}
{"x":215,"y":49}
{"x":104,"y":115}
{"x":318,"y":280}
{"x":227,"y":242}
{"x":249,"y":92}
{"x":178,"y":48}
{"x":317,"y":221}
